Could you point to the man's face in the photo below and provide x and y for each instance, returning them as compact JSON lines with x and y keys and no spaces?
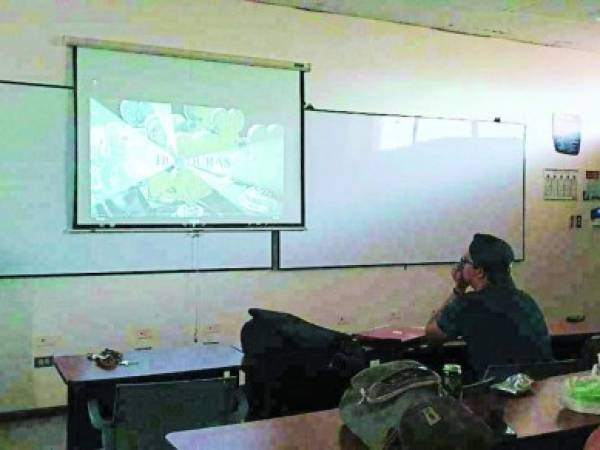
{"x":467,"y":271}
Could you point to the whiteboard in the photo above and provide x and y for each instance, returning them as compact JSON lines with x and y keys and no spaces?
{"x":386,"y":189}
{"x":36,"y":199}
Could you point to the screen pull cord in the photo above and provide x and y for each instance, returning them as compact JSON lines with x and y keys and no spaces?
{"x":195,"y":294}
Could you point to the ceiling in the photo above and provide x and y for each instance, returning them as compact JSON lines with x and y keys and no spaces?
{"x":557,"y":23}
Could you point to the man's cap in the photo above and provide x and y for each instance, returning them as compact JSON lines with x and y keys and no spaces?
{"x":490,"y":253}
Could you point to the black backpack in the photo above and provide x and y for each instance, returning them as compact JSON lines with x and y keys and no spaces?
{"x":288,"y":357}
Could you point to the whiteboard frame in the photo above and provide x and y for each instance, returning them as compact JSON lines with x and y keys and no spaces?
{"x":277,"y":247}
{"x":202,"y":266}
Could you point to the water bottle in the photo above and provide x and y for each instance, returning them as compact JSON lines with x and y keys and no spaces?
{"x":453,"y":380}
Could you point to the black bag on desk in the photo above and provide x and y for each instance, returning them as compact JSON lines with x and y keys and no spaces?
{"x":296,"y":365}
{"x":272,"y":332}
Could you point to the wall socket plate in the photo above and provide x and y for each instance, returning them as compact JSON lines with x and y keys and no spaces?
{"x":43,"y":361}
{"x":142,"y":336}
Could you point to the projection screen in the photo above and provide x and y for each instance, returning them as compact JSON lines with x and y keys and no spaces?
{"x":173,"y":142}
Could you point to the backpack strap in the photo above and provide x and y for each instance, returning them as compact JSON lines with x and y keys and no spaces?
{"x":371,"y":394}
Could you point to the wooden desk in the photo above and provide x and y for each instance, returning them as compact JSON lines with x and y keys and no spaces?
{"x":86,"y":380}
{"x":318,"y":430}
{"x":394,"y":342}
{"x":538,"y":415}
{"x":404,"y":334}
{"x":558,"y":329}
{"x":541,"y":413}
{"x":563,"y":329}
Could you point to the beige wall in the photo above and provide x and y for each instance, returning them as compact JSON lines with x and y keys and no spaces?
{"x":358,"y":65}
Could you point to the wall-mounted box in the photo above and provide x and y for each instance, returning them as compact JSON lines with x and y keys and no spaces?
{"x":592,"y":185}
{"x":560,"y":184}
{"x":595,"y":216}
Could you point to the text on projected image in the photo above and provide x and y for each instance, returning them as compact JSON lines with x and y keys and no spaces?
{"x":183,"y":163}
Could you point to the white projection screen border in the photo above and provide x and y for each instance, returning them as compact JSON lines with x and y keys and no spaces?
{"x":179,"y":142}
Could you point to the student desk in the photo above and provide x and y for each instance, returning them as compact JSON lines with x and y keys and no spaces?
{"x":567,"y":338}
{"x":403,"y":334}
{"x":559,"y":329}
{"x":582,"y":330}
{"x":534,"y":418}
{"x":85,"y":380}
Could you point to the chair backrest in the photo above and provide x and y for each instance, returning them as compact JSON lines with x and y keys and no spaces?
{"x":593,"y":440}
{"x":145,"y":412}
{"x":537,"y":370}
{"x":589,"y":353}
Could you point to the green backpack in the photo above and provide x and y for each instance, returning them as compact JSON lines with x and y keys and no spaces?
{"x":403,"y":402}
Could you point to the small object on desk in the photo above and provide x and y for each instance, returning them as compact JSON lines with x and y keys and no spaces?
{"x":453,"y":379}
{"x":128,"y":363}
{"x":574,"y":318}
{"x":501,"y":429}
{"x":508,"y":431}
{"x":516,"y":384}
{"x":107,"y":359}
{"x":581,"y":394}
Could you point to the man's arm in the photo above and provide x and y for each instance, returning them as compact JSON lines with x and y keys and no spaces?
{"x":432,"y":331}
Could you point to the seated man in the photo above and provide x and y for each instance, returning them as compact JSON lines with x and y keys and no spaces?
{"x":499,"y":323}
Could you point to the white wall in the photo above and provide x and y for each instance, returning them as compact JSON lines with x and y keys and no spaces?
{"x":358,"y":65}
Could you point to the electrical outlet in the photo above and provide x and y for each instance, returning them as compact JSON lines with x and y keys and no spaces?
{"x":214,"y":328}
{"x":47,"y":344}
{"x":210,"y":333}
{"x":49,"y":341}
{"x":43,"y":361}
{"x":394,"y":316}
{"x":142,"y":337}
{"x":144,"y":334}
{"x":344,"y":324}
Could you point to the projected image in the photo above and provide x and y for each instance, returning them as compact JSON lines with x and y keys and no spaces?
{"x":182,"y":163}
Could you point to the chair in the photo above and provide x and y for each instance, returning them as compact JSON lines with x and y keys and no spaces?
{"x":536,"y":370}
{"x":593,"y":441}
{"x":588,"y":355}
{"x":144,"y":413}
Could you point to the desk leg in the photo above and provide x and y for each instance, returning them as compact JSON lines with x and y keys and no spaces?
{"x":71,"y":417}
{"x":80,"y":433}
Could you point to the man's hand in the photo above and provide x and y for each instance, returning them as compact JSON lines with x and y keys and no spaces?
{"x":460,"y":283}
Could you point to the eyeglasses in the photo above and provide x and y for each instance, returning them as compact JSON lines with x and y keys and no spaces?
{"x":464,"y":260}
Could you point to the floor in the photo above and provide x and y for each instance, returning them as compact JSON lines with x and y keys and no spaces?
{"x":45,"y":433}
